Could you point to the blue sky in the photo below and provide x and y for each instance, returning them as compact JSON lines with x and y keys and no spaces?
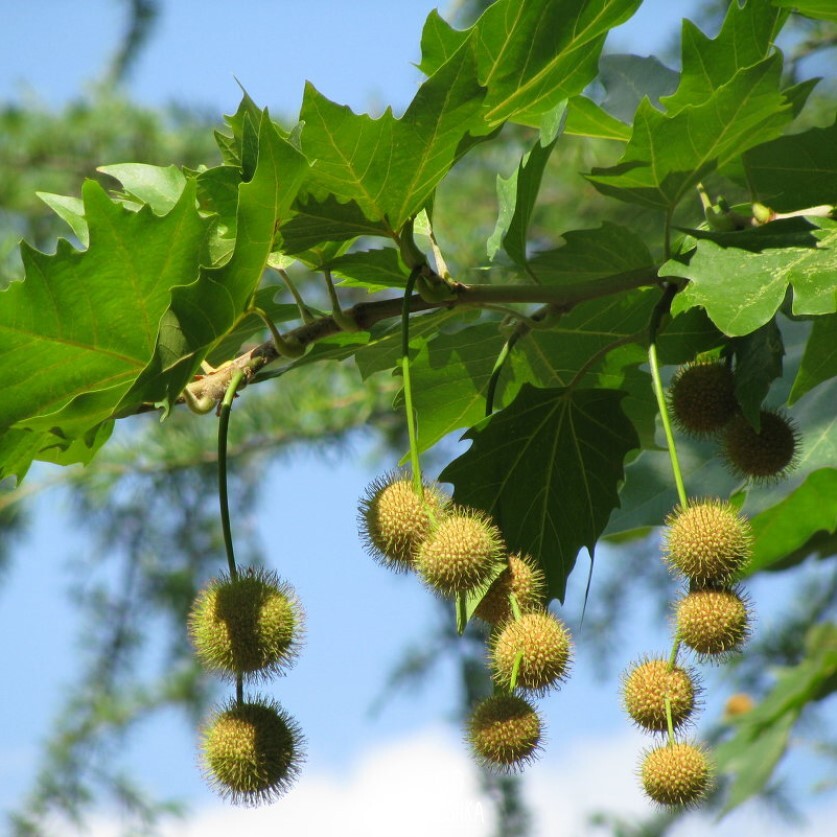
{"x":359,"y":617}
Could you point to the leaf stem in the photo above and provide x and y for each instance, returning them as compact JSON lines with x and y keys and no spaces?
{"x":223,"y":428}
{"x":304,"y":313}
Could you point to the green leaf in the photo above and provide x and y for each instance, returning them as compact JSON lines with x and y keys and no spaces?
{"x":819,"y":362}
{"x":762,"y":734}
{"x":795,"y":172}
{"x":753,"y":755}
{"x":531,"y":54}
{"x":450,"y":377}
{"x":745,"y":39}
{"x":759,"y":281}
{"x":758,"y":363}
{"x":517,"y":194}
{"x":383,"y":351}
{"x":781,"y":529}
{"x":627,"y":79}
{"x":82,"y":325}
{"x":70,"y":210}
{"x":439,"y":41}
{"x":817,"y":9}
{"x":547,"y":468}
{"x":783,"y":232}
{"x":156,"y":186}
{"x":590,"y":255}
{"x":317,"y":221}
{"x":372,"y":269}
{"x":669,"y":153}
{"x":390,"y":166}
{"x":202,"y":312}
{"x":587,"y":119}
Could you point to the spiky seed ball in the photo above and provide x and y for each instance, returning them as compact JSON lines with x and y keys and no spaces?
{"x":765,"y":455}
{"x":676,"y":775}
{"x":251,"y":751}
{"x":505,"y":731}
{"x":459,"y":554}
{"x":543,"y":644}
{"x":524,"y":580}
{"x":702,"y":397}
{"x":709,"y":542}
{"x":712,"y":621}
{"x":394,"y":520}
{"x":249,"y":625}
{"x":645,"y":689}
{"x":738,"y":704}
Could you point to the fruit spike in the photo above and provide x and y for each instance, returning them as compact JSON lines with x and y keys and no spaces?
{"x":766,"y":455}
{"x":505,"y":732}
{"x":646,"y":687}
{"x":524,"y":580}
{"x":460,"y":553}
{"x":709,"y":542}
{"x":252,"y":751}
{"x":250,"y":625}
{"x":543,"y":647}
{"x":713,"y":622}
{"x":676,"y":775}
{"x":702,"y":397}
{"x":393,"y":520}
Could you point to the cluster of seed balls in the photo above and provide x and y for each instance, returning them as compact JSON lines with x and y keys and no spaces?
{"x":707,"y":543}
{"x":703,"y":404}
{"x":459,"y":551}
{"x":248,"y":627}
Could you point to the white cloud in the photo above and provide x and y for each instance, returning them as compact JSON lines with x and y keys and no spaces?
{"x":425,"y":784}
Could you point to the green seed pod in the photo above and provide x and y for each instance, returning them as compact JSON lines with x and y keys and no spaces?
{"x":709,"y":542}
{"x":676,"y":775}
{"x":702,"y":397}
{"x":713,"y":622}
{"x":763,"y":456}
{"x":647,"y":685}
{"x":394,"y":520}
{"x":505,"y":732}
{"x":460,"y":553}
{"x":250,"y":625}
{"x":252,"y":752}
{"x":524,"y":580}
{"x":543,"y":646}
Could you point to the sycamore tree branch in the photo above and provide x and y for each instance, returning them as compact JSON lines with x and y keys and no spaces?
{"x":559,"y":298}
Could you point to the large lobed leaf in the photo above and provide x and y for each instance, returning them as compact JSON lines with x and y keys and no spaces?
{"x":390,"y":166}
{"x":531,"y":54}
{"x":728,"y":100}
{"x":76,"y":333}
{"x":548,"y":469}
{"x":741,"y":291}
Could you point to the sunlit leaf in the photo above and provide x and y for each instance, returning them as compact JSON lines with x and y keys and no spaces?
{"x":759,"y":281}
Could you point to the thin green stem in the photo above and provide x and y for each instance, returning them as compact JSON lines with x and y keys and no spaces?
{"x":339,"y":316}
{"x":412,"y":432}
{"x":675,"y":650}
{"x":663,"y":408}
{"x":518,"y":660}
{"x":669,"y":722}
{"x":304,"y":313}
{"x":515,"y":607}
{"x":223,"y":428}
